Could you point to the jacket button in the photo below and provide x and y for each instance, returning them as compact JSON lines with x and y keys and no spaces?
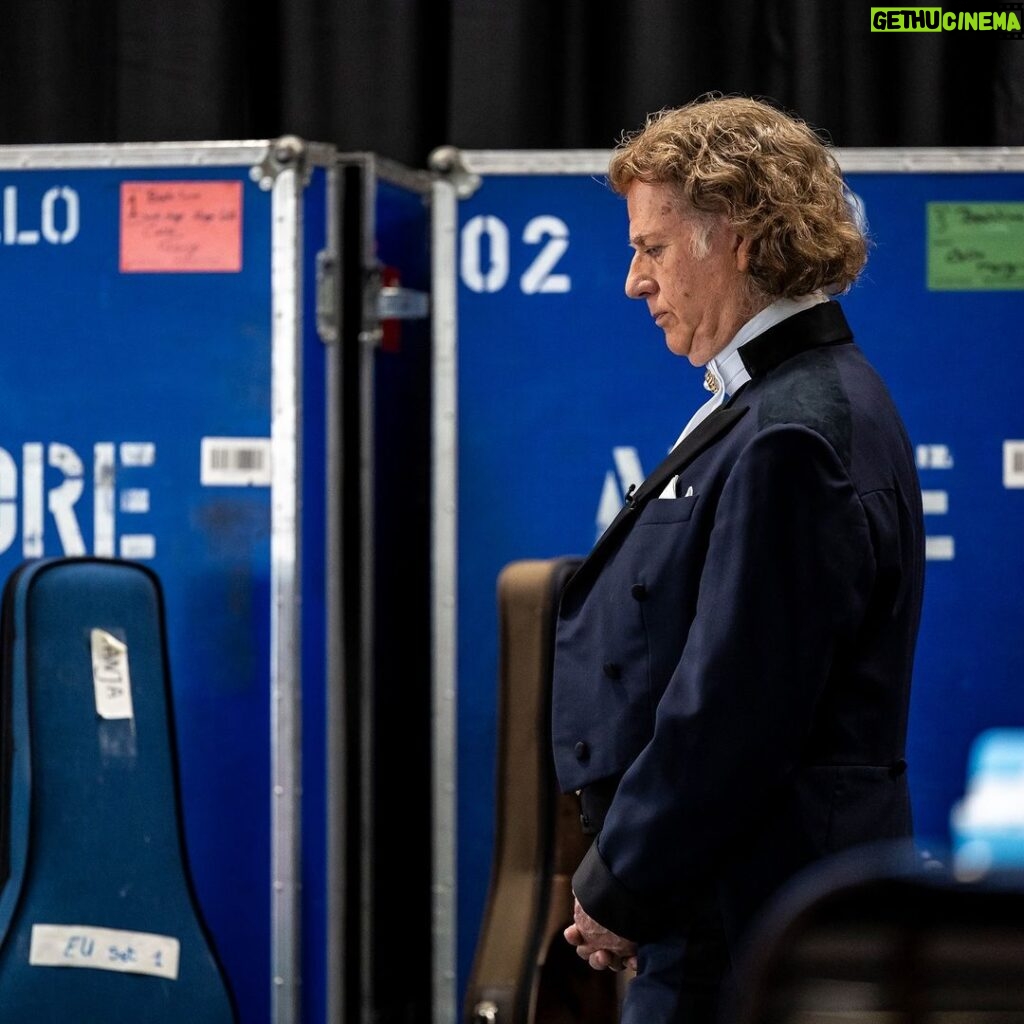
{"x":582,"y":751}
{"x":612,"y":671}
{"x":639,"y":592}
{"x":897,"y":768}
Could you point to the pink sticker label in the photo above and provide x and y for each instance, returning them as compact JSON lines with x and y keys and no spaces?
{"x":181,"y":227}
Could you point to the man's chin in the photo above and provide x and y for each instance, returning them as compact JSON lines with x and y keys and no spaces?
{"x":678,"y":346}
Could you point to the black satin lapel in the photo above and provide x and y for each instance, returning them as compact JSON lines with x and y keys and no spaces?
{"x":704,"y":434}
{"x":823,"y":324}
{"x":698,"y":440}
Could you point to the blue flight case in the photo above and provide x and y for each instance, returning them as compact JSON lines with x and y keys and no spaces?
{"x":553,"y":394}
{"x":165,"y":391}
{"x":213,"y":355}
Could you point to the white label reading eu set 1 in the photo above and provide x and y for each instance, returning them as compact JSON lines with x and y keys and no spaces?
{"x":111,"y":681}
{"x":104,"y":949}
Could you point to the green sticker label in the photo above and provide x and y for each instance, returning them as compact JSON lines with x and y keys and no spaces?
{"x":975,"y":247}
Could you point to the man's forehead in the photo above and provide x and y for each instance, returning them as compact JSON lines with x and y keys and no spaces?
{"x":647,"y":205}
{"x":655,"y":217}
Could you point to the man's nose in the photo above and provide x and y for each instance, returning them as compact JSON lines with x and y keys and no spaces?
{"x":638,"y":284}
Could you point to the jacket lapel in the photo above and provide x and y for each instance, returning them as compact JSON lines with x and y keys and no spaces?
{"x":823,"y":324}
{"x":698,"y":440}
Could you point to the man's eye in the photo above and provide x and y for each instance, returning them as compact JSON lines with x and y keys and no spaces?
{"x":653,"y":250}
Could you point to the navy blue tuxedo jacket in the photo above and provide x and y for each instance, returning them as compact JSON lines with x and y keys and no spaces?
{"x":733,"y":667}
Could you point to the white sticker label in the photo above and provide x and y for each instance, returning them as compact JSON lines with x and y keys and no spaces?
{"x":235,"y":462}
{"x":104,"y":949}
{"x":111,"y":681}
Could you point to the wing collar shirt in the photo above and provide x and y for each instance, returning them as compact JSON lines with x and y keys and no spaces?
{"x":725,"y":374}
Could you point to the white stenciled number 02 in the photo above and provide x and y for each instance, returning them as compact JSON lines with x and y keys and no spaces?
{"x":485,"y":258}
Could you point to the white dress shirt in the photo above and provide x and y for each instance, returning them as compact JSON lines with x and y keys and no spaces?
{"x":725,"y":374}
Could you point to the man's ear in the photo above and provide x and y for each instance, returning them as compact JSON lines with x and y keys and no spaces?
{"x":741,"y":250}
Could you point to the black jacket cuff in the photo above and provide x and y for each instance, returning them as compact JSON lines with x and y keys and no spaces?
{"x":610,"y":903}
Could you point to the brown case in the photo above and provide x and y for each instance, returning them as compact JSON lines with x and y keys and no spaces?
{"x":523,"y":971}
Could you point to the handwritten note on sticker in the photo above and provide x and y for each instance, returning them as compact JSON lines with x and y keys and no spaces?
{"x":975,"y":246}
{"x":104,"y":949}
{"x":112,"y":683}
{"x":181,"y":227}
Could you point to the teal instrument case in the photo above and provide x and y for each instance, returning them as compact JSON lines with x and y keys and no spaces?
{"x":98,"y":919}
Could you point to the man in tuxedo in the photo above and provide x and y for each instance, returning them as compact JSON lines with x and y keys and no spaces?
{"x":733,"y":659}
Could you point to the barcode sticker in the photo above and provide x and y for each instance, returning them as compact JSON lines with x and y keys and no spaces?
{"x":235,"y":462}
{"x":112,"y":683}
{"x":1013,"y":463}
{"x":104,"y":949}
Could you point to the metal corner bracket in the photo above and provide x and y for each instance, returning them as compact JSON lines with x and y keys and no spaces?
{"x":448,"y":161}
{"x":288,"y":153}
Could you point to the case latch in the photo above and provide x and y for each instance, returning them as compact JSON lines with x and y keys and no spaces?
{"x":388,"y":302}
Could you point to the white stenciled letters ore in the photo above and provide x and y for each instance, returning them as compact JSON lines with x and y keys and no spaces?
{"x":42,"y":499}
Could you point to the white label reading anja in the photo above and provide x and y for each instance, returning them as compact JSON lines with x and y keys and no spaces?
{"x":111,"y":681}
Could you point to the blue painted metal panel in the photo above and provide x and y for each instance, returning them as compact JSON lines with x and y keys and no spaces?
{"x":561,"y":390}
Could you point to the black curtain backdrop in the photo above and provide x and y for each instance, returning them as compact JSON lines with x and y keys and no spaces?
{"x":400,"y":77}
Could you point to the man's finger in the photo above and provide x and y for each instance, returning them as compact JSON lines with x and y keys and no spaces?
{"x":605,"y":960}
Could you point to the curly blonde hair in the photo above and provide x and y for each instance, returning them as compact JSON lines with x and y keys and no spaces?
{"x":768,"y":174}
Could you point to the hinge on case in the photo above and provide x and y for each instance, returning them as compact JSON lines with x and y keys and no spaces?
{"x":328,"y":297}
{"x":287,"y":153}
